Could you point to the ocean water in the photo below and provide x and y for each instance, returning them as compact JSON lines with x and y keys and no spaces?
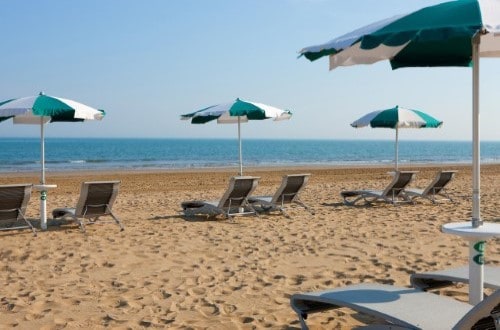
{"x":70,"y":154}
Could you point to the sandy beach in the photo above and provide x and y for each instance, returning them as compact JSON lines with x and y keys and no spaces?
{"x":165,"y":271}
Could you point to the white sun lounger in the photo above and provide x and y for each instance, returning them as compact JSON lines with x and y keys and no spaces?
{"x":287,"y":193}
{"x":14,"y":200}
{"x":393,"y":193}
{"x":233,"y":202}
{"x":442,"y":278}
{"x":401,"y":308}
{"x":436,"y":188}
{"x":96,"y":200}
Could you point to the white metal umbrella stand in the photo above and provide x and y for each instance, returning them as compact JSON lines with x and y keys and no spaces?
{"x":476,"y":232}
{"x":42,"y":187}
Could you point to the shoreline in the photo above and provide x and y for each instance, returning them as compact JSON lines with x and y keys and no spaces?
{"x":234,"y":169}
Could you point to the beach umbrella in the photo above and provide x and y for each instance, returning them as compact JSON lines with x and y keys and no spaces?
{"x":454,"y":33}
{"x":39,"y":110}
{"x":397,"y":118}
{"x":237,"y":112}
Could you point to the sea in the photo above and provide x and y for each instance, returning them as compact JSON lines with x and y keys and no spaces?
{"x":75,"y":154}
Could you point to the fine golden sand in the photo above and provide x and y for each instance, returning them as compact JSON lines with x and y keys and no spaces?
{"x":165,"y":271}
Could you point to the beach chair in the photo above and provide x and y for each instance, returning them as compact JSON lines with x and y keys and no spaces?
{"x":233,"y":202}
{"x":446,"y":277}
{"x":394,"y":193}
{"x":287,"y":193}
{"x":435,"y":188}
{"x":402,"y":308}
{"x":14,"y":200}
{"x":96,"y":200}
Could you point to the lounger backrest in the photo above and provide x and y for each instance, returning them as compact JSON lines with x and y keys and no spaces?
{"x":96,"y":198}
{"x":400,"y":181}
{"x":440,"y":181}
{"x":291,"y":185}
{"x":240,"y":187}
{"x":485,"y":315}
{"x":14,"y":200}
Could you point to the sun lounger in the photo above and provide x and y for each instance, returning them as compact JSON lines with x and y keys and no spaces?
{"x":400,"y":307}
{"x":96,"y":200}
{"x":442,"y":278}
{"x":435,"y":188}
{"x":233,"y":202}
{"x":14,"y":200}
{"x":287,"y":193}
{"x":393,"y":193}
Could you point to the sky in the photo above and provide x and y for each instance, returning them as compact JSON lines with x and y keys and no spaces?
{"x":148,"y":62}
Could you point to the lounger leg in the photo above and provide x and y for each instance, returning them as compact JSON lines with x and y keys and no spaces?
{"x":298,"y":201}
{"x":302,"y":319}
{"x":28,"y":223}
{"x":118,"y":222}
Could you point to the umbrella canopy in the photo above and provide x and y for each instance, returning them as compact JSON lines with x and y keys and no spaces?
{"x":39,"y":110}
{"x":397,"y":118}
{"x":455,"y":33}
{"x":237,"y":112}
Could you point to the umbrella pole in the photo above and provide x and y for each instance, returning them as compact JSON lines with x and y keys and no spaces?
{"x":239,"y":141}
{"x":476,"y":246}
{"x":43,"y":191}
{"x":396,"y":156}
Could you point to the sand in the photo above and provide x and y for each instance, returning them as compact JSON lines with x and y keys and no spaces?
{"x":165,"y":271}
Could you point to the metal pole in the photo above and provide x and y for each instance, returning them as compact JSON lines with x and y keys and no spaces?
{"x":239,"y":141}
{"x":397,"y":137}
{"x":476,"y":165}
{"x":476,"y":247}
{"x":43,"y":192}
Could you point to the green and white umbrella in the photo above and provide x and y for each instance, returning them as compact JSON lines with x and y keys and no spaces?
{"x":455,"y":33}
{"x":397,"y":118}
{"x":39,"y":110}
{"x":237,"y":112}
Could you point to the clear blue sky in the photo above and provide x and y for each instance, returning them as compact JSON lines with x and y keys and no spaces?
{"x":147,"y":62}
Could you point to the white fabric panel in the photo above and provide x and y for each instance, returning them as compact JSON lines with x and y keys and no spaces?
{"x":348,"y":39}
{"x":490,"y":14}
{"x":82,"y":111}
{"x":22,"y":103}
{"x":355,"y":55}
{"x":29,"y":118}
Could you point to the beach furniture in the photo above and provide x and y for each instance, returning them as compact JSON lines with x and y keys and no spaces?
{"x":394,"y":193}
{"x":287,"y":193}
{"x":401,"y":307}
{"x":435,"y":188}
{"x":14,"y":200}
{"x":234,"y":201}
{"x":446,"y":277}
{"x":96,"y":200}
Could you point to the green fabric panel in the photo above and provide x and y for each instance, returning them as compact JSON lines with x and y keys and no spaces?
{"x":48,"y":106}
{"x":313,"y":56}
{"x":429,"y":120}
{"x":388,"y":118}
{"x":455,"y":19}
{"x":4,"y":102}
{"x":203,"y":119}
{"x":451,"y":52}
{"x":241,"y":108}
{"x":5,"y":118}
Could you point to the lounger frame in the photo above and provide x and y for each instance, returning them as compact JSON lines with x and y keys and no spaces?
{"x":14,"y":200}
{"x":96,"y":200}
{"x":234,"y":201}
{"x":394,"y":193}
{"x":287,"y":193}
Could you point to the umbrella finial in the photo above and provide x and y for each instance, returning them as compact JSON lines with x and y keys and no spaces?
{"x":41,"y":93}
